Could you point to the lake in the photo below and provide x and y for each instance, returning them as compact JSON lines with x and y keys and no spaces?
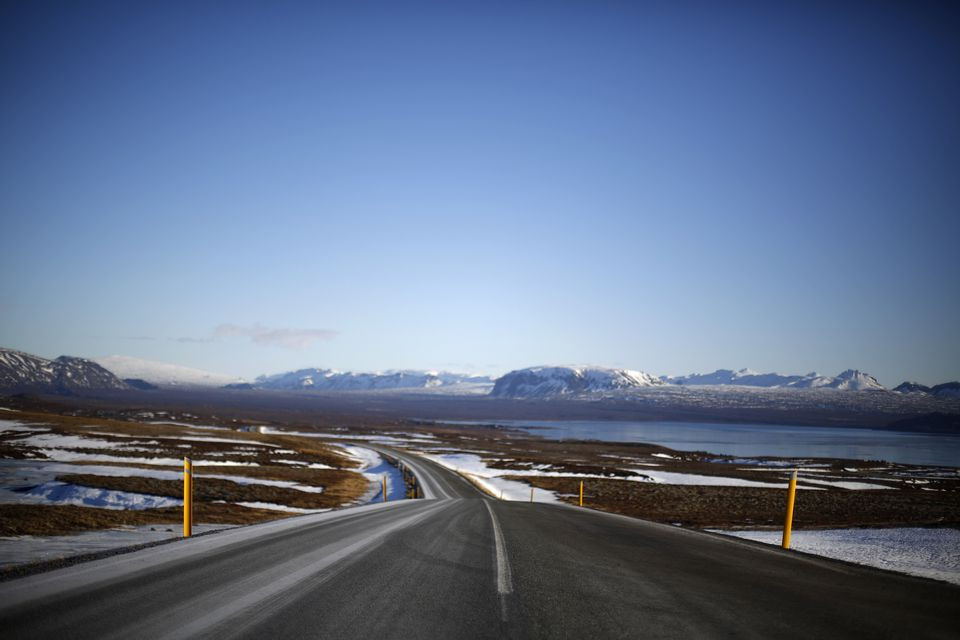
{"x":751,"y":440}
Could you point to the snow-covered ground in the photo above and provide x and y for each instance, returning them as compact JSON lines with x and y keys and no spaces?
{"x":34,"y":480}
{"x":271,"y":506}
{"x":671,"y":477}
{"x":472,"y":466}
{"x":374,"y":467}
{"x":398,"y":438}
{"x":480,"y":472}
{"x":185,"y":437}
{"x":63,"y":493}
{"x":26,"y":549}
{"x":930,"y":553}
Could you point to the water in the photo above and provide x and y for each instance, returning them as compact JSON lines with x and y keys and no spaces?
{"x":751,"y":440}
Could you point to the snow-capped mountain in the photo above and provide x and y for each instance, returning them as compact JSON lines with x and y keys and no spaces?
{"x":851,"y":380}
{"x":332,"y":380}
{"x":24,"y":372}
{"x":164,"y":374}
{"x":744,"y":377}
{"x":542,"y":382}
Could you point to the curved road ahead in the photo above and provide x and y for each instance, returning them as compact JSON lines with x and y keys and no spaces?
{"x":461,"y":565}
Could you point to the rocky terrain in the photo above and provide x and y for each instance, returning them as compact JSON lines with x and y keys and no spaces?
{"x":22,"y":372}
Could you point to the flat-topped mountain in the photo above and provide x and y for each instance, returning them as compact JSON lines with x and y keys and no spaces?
{"x":332,"y":380}
{"x":743,"y":377}
{"x":849,"y":380}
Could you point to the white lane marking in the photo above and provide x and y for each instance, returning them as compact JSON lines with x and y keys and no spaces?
{"x":504,"y":581}
{"x":288,"y":578}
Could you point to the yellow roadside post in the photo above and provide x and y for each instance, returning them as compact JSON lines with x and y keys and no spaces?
{"x":788,"y":522}
{"x":187,"y":498}
{"x":384,"y":487}
{"x":581,"y":493}
{"x":531,"y":494}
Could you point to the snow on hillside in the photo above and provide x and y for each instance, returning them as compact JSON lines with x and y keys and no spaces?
{"x":541,"y":382}
{"x":21,"y":371}
{"x":851,"y":380}
{"x":744,"y":377}
{"x":164,"y":374}
{"x":332,"y":380}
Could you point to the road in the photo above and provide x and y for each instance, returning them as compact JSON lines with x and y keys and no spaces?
{"x":461,"y":565}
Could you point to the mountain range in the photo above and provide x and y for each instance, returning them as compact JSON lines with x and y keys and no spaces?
{"x":332,"y":380}
{"x":22,"y":373}
{"x":849,"y":380}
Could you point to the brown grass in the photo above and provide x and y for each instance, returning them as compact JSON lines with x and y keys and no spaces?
{"x":749,"y":507}
{"x":213,"y":489}
{"x":341,"y":486}
{"x":310,"y":450}
{"x":54,"y":520}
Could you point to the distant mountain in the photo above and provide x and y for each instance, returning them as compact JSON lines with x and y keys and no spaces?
{"x":138,"y":383}
{"x":945,"y":390}
{"x":850,"y":380}
{"x":544,"y":382}
{"x":164,"y":374}
{"x":332,"y":380}
{"x":911,"y":387}
{"x":743,"y":377}
{"x":239,"y":386}
{"x":26,"y":373}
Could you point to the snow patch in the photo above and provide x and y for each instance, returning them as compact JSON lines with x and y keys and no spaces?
{"x":278,"y":507}
{"x":929,"y":553}
{"x":63,"y":493}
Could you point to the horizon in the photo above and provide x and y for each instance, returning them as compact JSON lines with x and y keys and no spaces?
{"x":496,"y":374}
{"x":669,"y":189}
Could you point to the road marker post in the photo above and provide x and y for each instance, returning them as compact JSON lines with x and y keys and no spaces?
{"x":581,"y":493}
{"x":788,"y":521}
{"x":187,"y":498}
{"x":384,"y":487}
{"x":531,"y":494}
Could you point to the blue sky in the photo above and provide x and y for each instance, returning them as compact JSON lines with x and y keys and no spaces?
{"x":671,"y":187}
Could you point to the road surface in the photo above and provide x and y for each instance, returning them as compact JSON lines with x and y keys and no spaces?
{"x":461,"y":565}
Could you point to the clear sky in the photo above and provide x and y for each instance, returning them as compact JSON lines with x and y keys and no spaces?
{"x":666,"y":186}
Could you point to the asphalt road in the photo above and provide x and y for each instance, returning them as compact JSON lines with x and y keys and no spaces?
{"x":460,"y":565}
